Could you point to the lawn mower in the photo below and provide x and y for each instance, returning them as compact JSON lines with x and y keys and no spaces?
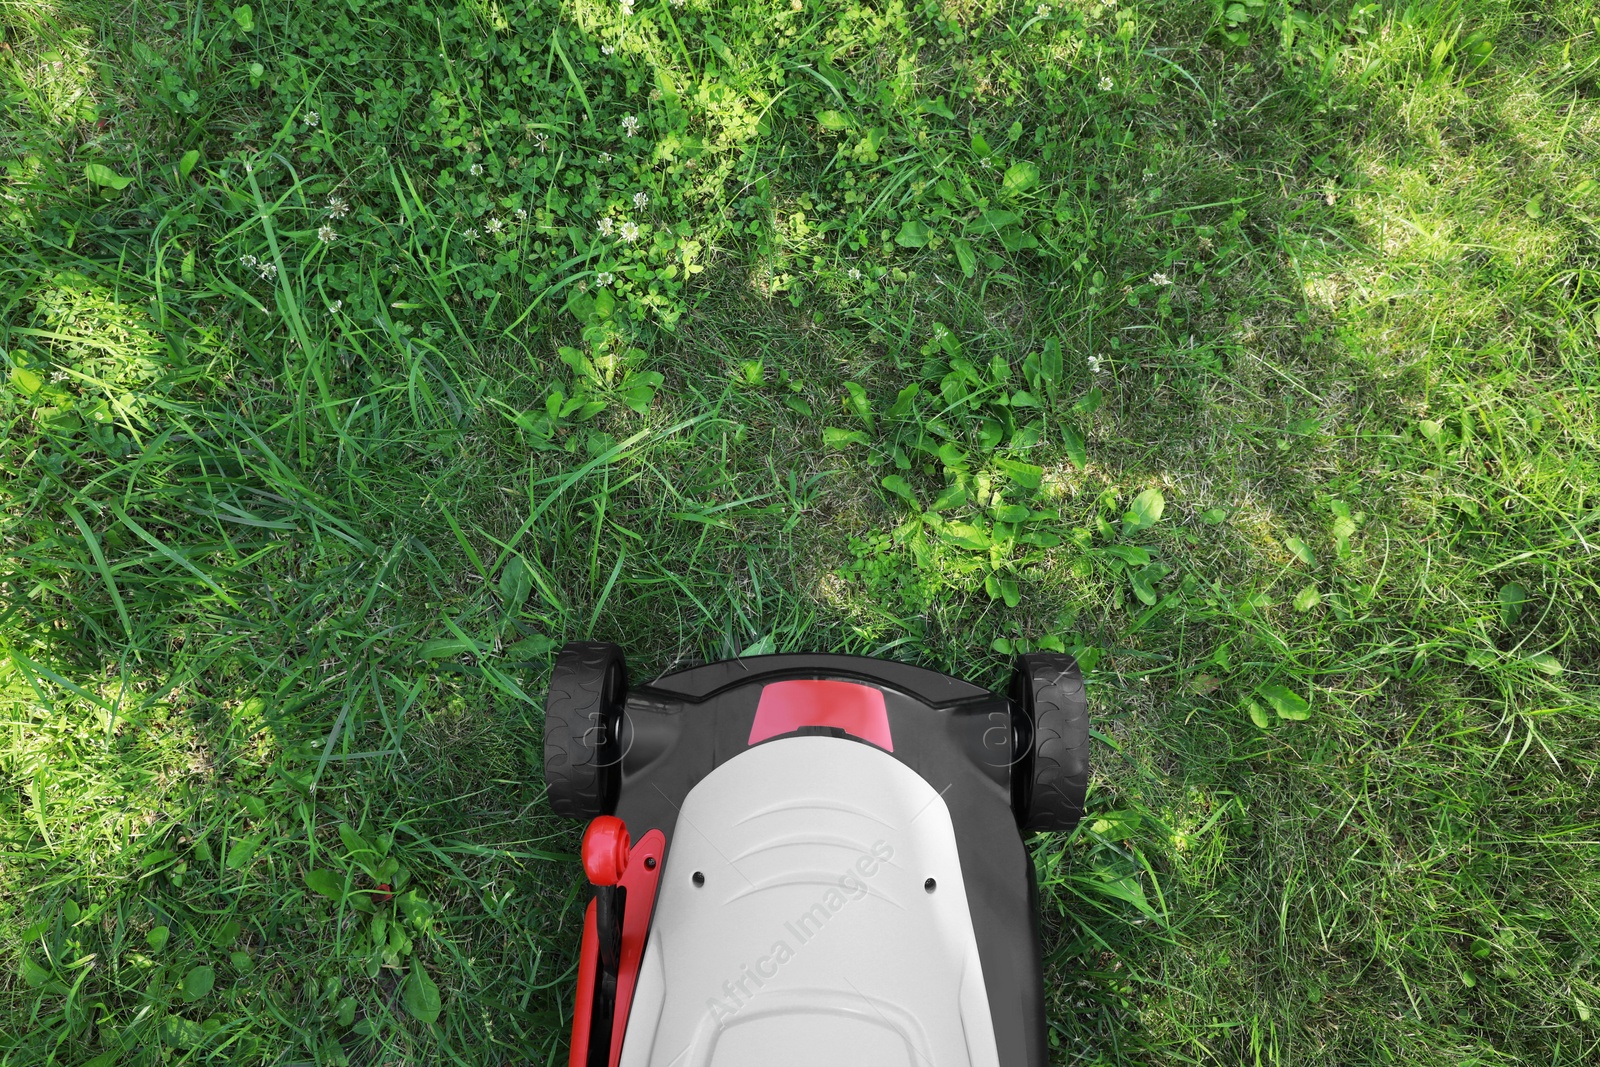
{"x":811,"y":859}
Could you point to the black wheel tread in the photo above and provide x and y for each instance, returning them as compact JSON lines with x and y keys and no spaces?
{"x":1060,"y":757}
{"x":575,"y":770}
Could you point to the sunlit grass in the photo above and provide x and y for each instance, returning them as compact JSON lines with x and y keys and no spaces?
{"x":292,"y":523}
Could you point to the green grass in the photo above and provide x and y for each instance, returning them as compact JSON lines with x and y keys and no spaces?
{"x":291,"y":525}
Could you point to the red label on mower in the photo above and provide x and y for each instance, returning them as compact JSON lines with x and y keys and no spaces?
{"x":856,"y":709}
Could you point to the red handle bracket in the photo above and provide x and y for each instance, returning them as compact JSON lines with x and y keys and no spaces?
{"x":605,"y":850}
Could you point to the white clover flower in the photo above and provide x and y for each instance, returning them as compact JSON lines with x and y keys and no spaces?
{"x":797,"y":5}
{"x":640,"y":200}
{"x":1042,"y":11}
{"x":1160,"y":279}
{"x":630,"y":125}
{"x":336,"y":306}
{"x":269,"y":271}
{"x":60,"y":376}
{"x":605,"y":157}
{"x":630,"y":232}
{"x":477,"y":169}
{"x":337,"y":207}
{"x":313,"y":120}
{"x":248,"y":260}
{"x":326,"y":234}
{"x":627,"y":8}
{"x":855,"y":274}
{"x":472,"y":234}
{"x":606,"y":225}
{"x":1094,"y":365}
{"x":522,"y":214}
{"x":1106,"y":84}
{"x":542,"y":139}
{"x":607,"y":49}
{"x":494,"y":225}
{"x":605,"y":277}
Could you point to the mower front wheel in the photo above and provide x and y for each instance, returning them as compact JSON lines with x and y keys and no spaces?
{"x":1051,"y":776}
{"x":582,"y":718}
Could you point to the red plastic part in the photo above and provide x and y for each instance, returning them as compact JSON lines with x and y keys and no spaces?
{"x":588,"y":967}
{"x":856,"y":709}
{"x":605,"y":850}
{"x":640,"y":876}
{"x":640,"y":880}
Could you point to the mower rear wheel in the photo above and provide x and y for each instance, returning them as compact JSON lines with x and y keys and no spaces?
{"x":1050,"y":778}
{"x":582,"y":717}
